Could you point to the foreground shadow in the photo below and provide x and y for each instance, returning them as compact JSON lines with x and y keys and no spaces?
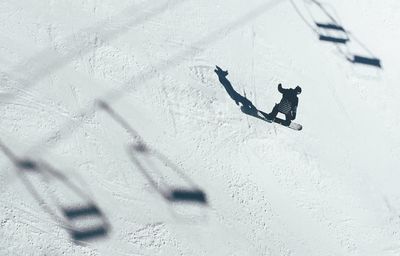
{"x":151,"y":163}
{"x":332,"y":31}
{"x":81,"y":217}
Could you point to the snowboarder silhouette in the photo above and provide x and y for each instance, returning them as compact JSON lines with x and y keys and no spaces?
{"x":287,"y":106}
{"x":288,"y":103}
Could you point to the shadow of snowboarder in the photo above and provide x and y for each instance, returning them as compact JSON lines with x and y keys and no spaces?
{"x":247,"y":106}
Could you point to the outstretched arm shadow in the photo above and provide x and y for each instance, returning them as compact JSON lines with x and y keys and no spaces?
{"x":247,"y":106}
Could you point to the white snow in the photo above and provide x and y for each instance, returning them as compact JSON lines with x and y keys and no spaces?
{"x":106,"y":106}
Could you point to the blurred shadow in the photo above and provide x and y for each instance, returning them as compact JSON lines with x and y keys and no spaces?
{"x":188,"y":195}
{"x":335,"y":33}
{"x":333,"y":39}
{"x":365,"y":60}
{"x":75,"y":218}
{"x":142,"y":155}
{"x":78,"y":213}
{"x":330,"y":26}
{"x":30,"y":71}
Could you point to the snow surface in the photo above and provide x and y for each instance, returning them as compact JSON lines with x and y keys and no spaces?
{"x":108,"y":106}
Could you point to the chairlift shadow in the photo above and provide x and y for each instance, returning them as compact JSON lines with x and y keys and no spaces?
{"x":333,"y":32}
{"x":77,"y":218}
{"x":144,"y":156}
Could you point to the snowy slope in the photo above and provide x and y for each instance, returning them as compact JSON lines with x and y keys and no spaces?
{"x":117,"y":137}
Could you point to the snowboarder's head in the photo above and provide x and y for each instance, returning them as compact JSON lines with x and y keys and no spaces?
{"x":298,"y":89}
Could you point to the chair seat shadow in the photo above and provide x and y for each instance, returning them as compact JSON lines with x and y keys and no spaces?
{"x":331,"y":39}
{"x":89,"y":233}
{"x":365,"y":60}
{"x":180,"y":195}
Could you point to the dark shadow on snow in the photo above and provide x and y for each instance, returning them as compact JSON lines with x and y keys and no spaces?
{"x":333,"y":32}
{"x":246,"y":106}
{"x":146,"y":158}
{"x":365,"y":60}
{"x":88,"y":111}
{"x":77,"y":217}
{"x":78,"y":213}
{"x":32,"y":70}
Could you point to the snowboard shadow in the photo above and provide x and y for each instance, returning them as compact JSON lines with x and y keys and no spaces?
{"x":151,"y":163}
{"x":81,"y":217}
{"x":246,"y":106}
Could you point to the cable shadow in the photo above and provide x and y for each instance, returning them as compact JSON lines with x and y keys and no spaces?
{"x":88,"y":111}
{"x":333,"y":32}
{"x":82,"y":219}
{"x":145,"y":157}
{"x":48,"y":60}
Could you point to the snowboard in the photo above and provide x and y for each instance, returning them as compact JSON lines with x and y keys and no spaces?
{"x":292,"y":125}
